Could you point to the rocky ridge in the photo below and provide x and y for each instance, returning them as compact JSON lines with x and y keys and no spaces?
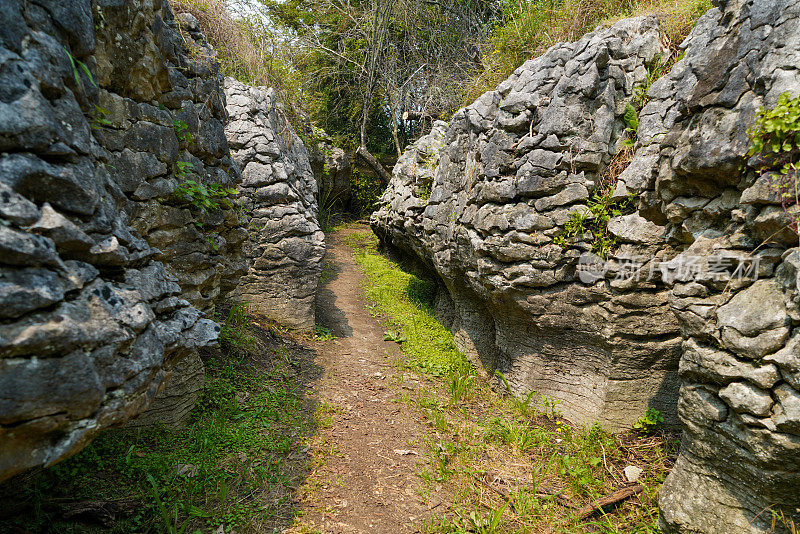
{"x":93,"y":321}
{"x":482,"y":199}
{"x":702,"y":212}
{"x":740,"y":392}
{"x":286,"y":244}
{"x":112,"y":137}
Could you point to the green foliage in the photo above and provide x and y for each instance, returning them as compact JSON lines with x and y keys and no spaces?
{"x":366,"y":190}
{"x":323,"y":334}
{"x":394,"y":335}
{"x":631,"y":119}
{"x":76,"y":65}
{"x":424,"y":190}
{"x":182,"y":131}
{"x":460,"y":385}
{"x":527,"y":28}
{"x":203,"y":197}
{"x":775,"y":143}
{"x":217,"y":394}
{"x":235,"y":332}
{"x":487,"y":524}
{"x":408,"y":301}
{"x":183,"y":169}
{"x":527,"y":407}
{"x":225,"y":469}
{"x":592,"y":226}
{"x":98,"y":119}
{"x":650,"y":422}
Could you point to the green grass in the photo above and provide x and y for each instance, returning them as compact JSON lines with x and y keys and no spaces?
{"x":408,"y":301}
{"x":529,"y":28}
{"x":481,"y":445}
{"x":235,"y":465}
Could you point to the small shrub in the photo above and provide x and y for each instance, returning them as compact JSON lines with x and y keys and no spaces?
{"x":183,"y":169}
{"x":650,"y":422}
{"x":97,"y":119}
{"x":323,"y":334}
{"x":775,"y":143}
{"x":601,"y":210}
{"x":366,"y":190}
{"x":203,"y":197}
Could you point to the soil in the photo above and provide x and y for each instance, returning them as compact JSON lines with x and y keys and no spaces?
{"x":363,"y":479}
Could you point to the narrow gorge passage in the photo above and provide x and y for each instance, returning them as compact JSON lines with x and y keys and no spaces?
{"x":359,"y":481}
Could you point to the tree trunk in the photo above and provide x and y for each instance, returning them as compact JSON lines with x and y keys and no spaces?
{"x":376,"y":166}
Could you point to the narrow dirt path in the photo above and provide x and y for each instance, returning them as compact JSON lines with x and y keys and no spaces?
{"x":363,"y":478}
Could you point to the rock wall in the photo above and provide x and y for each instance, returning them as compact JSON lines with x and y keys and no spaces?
{"x":93,"y":322}
{"x":332,"y":168}
{"x":740,"y":364}
{"x":286,"y":246}
{"x":725,"y":295}
{"x":481,"y":200}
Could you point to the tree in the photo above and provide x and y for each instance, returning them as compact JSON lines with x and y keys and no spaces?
{"x":385,"y":69}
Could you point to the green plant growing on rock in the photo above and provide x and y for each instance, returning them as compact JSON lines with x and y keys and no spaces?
{"x":98,"y":120}
{"x":602,"y":208}
{"x":76,"y":65}
{"x":775,"y":145}
{"x":631,"y":119}
{"x":205,"y":198}
{"x":182,"y":131}
{"x":183,"y":169}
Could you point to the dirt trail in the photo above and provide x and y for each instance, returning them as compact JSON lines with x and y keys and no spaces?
{"x":359,"y":482}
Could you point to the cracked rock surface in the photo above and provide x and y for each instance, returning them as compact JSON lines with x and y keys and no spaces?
{"x":504,"y":176}
{"x":102,"y":273}
{"x":286,"y":246}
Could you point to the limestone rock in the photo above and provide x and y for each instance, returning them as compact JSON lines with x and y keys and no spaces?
{"x":88,"y":338}
{"x":738,"y":455}
{"x":505,"y":176}
{"x":285,"y":246}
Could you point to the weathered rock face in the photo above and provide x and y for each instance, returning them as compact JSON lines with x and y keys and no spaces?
{"x":92,"y":321}
{"x":480,"y":200}
{"x":728,"y":268}
{"x":286,"y":245}
{"x":166,"y":111}
{"x":332,"y":168}
{"x":740,"y":365}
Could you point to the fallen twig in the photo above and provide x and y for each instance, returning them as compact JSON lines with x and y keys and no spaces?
{"x":609,"y":500}
{"x":501,"y":493}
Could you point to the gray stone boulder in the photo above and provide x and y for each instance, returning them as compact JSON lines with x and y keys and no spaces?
{"x":741,"y":447}
{"x":103,"y":269}
{"x":285,"y":245}
{"x":481,"y":200}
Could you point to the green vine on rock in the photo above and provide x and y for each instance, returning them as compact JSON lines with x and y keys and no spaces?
{"x":775,"y":143}
{"x":182,"y":131}
{"x":594,"y":221}
{"x":205,"y":198}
